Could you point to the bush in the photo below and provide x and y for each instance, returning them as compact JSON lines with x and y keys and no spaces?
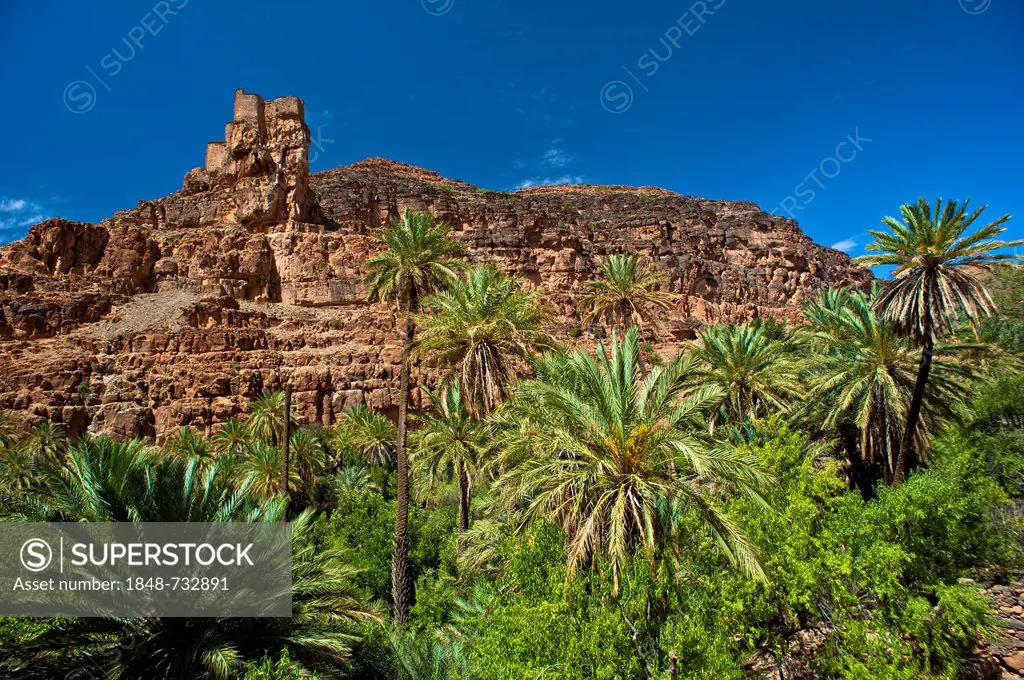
{"x":519,"y":641}
{"x":363,"y":526}
{"x":932,"y":528}
{"x":279,"y":669}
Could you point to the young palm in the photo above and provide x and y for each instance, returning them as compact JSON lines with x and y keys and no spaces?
{"x":19,"y":469}
{"x":7,"y":430}
{"x":450,"y":447}
{"x":46,"y":440}
{"x":937,"y":263}
{"x":615,"y":458}
{"x":266,"y":417}
{"x":369,"y":433}
{"x":187,"y":443}
{"x":308,"y":457}
{"x":259,"y":469}
{"x":418,"y":260}
{"x":629,"y":292}
{"x":231,"y":438}
{"x":483,"y":330}
{"x":356,"y":478}
{"x":861,"y":372}
{"x":751,"y":364}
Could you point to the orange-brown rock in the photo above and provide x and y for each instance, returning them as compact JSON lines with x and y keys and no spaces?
{"x":180,"y":310}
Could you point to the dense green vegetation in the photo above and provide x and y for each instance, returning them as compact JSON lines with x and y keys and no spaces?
{"x":599,"y":510}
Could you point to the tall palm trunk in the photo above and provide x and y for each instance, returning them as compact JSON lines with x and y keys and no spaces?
{"x":859,"y":469}
{"x":914,"y":415}
{"x":464,"y":501}
{"x":626,"y":311}
{"x":400,"y":556}
{"x":287,"y":435}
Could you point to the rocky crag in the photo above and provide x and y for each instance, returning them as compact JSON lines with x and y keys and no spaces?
{"x":178,"y":311}
{"x":1000,"y":656}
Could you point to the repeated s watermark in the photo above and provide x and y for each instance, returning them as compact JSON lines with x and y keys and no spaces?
{"x":829,"y":168}
{"x":975,"y":6}
{"x":80,"y":95}
{"x":318,"y":143}
{"x":617,"y":95}
{"x":437,"y":7}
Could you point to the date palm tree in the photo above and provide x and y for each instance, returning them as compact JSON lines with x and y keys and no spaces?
{"x":258,"y":468}
{"x":7,"y":430}
{"x":266,"y":417}
{"x":937,"y":284}
{"x":752,"y":365}
{"x":187,"y":443}
{"x":629,"y":292}
{"x":418,"y":259}
{"x":861,"y":372}
{"x":231,"y":438}
{"x":450,"y":446}
{"x":369,"y":433}
{"x":46,"y":440}
{"x":615,"y":459}
{"x":483,"y":330}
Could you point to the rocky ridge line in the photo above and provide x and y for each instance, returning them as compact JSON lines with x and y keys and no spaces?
{"x":179,"y":311}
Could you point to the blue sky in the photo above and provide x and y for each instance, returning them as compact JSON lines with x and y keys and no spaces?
{"x":865,"y":103}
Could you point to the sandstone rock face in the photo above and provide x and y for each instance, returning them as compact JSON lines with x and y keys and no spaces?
{"x":179,"y":311}
{"x":1002,"y":654}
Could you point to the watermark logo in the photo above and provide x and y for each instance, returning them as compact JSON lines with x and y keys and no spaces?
{"x":437,"y":8}
{"x":319,"y":143}
{"x":80,"y":95}
{"x":617,"y":95}
{"x":36,"y":554}
{"x":829,"y":168}
{"x":145,"y":569}
{"x":975,"y":6}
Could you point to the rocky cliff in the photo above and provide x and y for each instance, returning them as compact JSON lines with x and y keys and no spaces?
{"x":178,"y":311}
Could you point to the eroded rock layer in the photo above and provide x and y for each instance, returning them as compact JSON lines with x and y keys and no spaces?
{"x":179,"y":311}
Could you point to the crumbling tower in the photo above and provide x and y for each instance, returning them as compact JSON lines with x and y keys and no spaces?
{"x":266,"y":141}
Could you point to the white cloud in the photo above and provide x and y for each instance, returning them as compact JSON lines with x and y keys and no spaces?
{"x":556,"y":158}
{"x":16,"y":215}
{"x":549,"y":181}
{"x":29,"y":221}
{"x":846,"y":245}
{"x":12,"y":204}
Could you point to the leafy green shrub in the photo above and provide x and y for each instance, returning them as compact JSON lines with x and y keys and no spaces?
{"x":946,"y":630}
{"x":435,"y":601}
{"x":861,"y":651}
{"x":705,"y":652}
{"x":535,"y":562}
{"x":935,"y":526}
{"x":280,"y":669}
{"x":363,"y":527}
{"x":519,"y":641}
